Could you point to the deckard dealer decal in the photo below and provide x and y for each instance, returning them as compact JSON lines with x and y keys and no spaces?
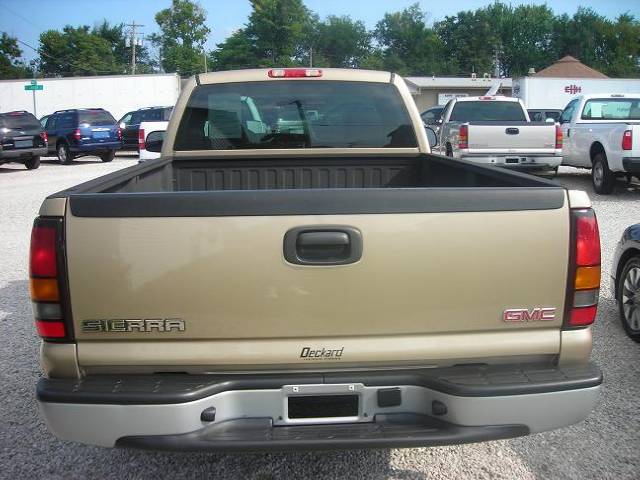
{"x":309,"y":353}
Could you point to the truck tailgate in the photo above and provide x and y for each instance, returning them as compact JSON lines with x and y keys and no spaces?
{"x":519,"y":137}
{"x":428,"y":287}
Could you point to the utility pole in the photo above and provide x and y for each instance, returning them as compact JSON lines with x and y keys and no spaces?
{"x":205,"y":62}
{"x":311,"y":56}
{"x":133,"y":39}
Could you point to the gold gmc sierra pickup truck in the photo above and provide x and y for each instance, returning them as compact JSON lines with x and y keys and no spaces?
{"x":297,"y":270}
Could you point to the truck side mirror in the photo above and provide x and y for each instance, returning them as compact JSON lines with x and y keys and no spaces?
{"x":154,"y":141}
{"x":432,"y":137}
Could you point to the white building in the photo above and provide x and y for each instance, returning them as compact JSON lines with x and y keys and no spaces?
{"x":431,"y":91}
{"x":556,"y":85}
{"x":117,"y":94}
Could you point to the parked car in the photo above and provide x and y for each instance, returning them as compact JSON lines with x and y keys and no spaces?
{"x":599,"y":132}
{"x":125,"y":120}
{"x":79,"y":132}
{"x":22,"y":139}
{"x":544,"y":115}
{"x":625,"y":281}
{"x":432,"y":116}
{"x":264,"y":290}
{"x":130,"y":131}
{"x":150,"y":132}
{"x":496,"y":131}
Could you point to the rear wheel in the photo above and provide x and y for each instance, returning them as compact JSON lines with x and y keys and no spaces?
{"x":603,"y":179}
{"x":32,"y":163}
{"x":629,"y":297}
{"x":108,"y":155}
{"x":64,"y":154}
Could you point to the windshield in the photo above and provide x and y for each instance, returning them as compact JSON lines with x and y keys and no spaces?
{"x":295,"y":114}
{"x":95,"y":117}
{"x":432,"y":115}
{"x":611,"y":109}
{"x":487,"y":111}
{"x":19,"y":121}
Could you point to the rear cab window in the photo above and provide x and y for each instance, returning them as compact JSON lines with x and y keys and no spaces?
{"x":295,"y":114}
{"x":487,"y":111}
{"x":19,"y":121}
{"x":611,"y":109}
{"x":95,"y":117}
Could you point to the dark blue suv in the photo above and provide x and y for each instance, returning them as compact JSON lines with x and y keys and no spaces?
{"x":78,"y":132}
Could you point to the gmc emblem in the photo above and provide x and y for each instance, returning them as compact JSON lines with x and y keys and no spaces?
{"x":536,"y":314}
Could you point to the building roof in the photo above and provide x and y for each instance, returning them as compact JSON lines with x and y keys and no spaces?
{"x":569,"y":67}
{"x":456,"y":82}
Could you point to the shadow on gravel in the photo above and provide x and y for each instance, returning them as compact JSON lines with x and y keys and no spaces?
{"x":20,"y":168}
{"x":271,"y":466}
{"x":581,"y":180}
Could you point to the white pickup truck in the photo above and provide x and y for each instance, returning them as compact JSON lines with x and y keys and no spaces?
{"x":496,"y":130}
{"x":599,"y":130}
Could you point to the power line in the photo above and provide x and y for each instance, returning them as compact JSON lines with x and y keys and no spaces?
{"x":31,"y":22}
{"x":134,"y":40}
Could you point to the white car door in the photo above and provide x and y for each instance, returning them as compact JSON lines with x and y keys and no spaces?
{"x":569,"y":156}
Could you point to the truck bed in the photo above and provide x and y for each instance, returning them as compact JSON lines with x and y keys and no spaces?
{"x":422,"y":183}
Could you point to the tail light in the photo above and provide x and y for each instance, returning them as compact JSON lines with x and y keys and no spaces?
{"x":119,"y":133}
{"x":294,"y":72}
{"x":77,"y":134}
{"x":45,"y":137}
{"x":627,"y":140}
{"x":47,"y":281}
{"x":141,"y":137}
{"x":584,"y":276}
{"x":558,"y":137}
{"x":463,"y":137}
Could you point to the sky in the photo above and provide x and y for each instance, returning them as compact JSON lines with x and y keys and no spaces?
{"x":26,"y":19}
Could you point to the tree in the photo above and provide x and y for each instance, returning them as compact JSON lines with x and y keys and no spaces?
{"x":117,"y":38}
{"x":275,"y":27}
{"x":76,"y":51}
{"x":340,"y":42}
{"x":10,"y":64}
{"x":237,"y":51}
{"x":469,"y":42}
{"x":624,"y":45}
{"x":408,"y":45}
{"x":526,"y":38}
{"x":182,"y":38}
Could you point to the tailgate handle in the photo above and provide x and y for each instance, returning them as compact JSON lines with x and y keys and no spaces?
{"x":512,"y":131}
{"x":323,"y":245}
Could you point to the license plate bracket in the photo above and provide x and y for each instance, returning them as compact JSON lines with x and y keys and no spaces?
{"x":23,"y":143}
{"x":323,"y":406}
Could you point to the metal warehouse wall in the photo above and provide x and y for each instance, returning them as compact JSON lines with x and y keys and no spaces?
{"x":546,"y":92}
{"x":118,"y":93}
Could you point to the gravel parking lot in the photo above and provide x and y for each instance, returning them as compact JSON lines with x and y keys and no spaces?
{"x":606,"y":445}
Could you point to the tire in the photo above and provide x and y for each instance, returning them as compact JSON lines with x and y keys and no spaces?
{"x":603,"y":179}
{"x":32,"y":163}
{"x":108,"y":155}
{"x":449,"y":151}
{"x":629,"y":297}
{"x":64,"y":154}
